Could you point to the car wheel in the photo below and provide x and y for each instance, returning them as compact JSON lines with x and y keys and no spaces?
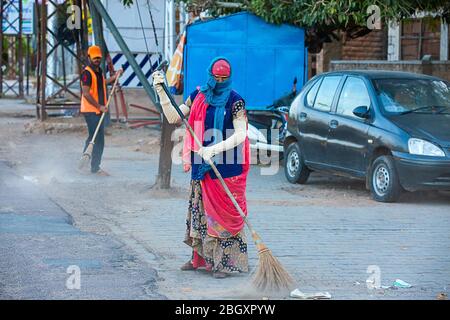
{"x":294,"y":167}
{"x":384,"y":182}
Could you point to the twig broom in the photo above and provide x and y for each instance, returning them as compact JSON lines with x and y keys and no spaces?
{"x":87,"y":155}
{"x":270,"y":275}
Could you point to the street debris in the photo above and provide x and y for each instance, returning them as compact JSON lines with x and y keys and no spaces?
{"x":315,"y":296}
{"x":370,"y":283}
{"x":31,"y":179}
{"x":401,"y":284}
{"x":53,"y":126}
{"x":442,"y":296}
{"x":397,"y":284}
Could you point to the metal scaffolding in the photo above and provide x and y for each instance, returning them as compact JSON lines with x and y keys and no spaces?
{"x":11,"y":61}
{"x":53,"y":51}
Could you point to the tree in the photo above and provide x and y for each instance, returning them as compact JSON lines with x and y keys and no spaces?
{"x":325,"y":19}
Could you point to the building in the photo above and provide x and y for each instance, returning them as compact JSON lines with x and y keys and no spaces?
{"x":418,"y":44}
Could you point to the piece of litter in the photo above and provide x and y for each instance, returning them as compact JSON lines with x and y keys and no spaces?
{"x":385,"y":287}
{"x":316,"y":296}
{"x":442,"y":296}
{"x":30,"y":178}
{"x":357,"y":283}
{"x":401,"y":284}
{"x":372,"y":284}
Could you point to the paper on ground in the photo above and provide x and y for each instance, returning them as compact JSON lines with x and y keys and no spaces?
{"x":318,"y":295}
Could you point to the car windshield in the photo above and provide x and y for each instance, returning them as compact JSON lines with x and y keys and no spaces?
{"x":402,"y":96}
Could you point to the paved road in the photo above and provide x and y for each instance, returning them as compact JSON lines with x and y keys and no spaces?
{"x":42,"y":253}
{"x":327,"y":233}
{"x":328,"y":243}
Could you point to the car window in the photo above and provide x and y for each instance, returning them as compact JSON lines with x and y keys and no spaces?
{"x":354,"y":94}
{"x":311,"y":96}
{"x":401,"y":95}
{"x":326,"y":93}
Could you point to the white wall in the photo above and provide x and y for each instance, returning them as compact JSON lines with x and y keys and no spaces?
{"x":128,"y":23}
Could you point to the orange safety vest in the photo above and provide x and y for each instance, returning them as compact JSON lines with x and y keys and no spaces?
{"x":86,"y":106}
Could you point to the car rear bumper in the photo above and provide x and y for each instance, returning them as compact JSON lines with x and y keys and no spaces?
{"x":422,"y":172}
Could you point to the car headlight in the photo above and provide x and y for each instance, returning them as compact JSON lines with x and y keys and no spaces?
{"x":424,"y":148}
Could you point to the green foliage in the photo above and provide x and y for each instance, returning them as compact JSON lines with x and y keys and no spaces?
{"x":322,"y":19}
{"x":342,"y":14}
{"x":309,"y":13}
{"x":215,"y":8}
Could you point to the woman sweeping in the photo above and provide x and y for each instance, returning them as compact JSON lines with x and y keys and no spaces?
{"x":214,"y":228}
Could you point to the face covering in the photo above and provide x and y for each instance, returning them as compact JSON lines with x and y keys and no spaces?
{"x":217,"y":94}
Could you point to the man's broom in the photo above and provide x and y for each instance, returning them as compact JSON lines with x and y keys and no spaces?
{"x":87,"y":155}
{"x":270,"y":275}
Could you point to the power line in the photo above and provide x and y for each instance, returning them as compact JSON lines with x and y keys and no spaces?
{"x":142,"y":25}
{"x":153,"y":24}
{"x":139,"y":38}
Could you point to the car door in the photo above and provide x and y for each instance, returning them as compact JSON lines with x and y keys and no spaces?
{"x":347,"y":138}
{"x":314,"y":119}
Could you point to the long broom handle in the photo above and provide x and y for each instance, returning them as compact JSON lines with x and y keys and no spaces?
{"x":210,"y":162}
{"x":103,"y":114}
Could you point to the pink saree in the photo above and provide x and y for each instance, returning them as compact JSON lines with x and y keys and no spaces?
{"x":223,"y":220}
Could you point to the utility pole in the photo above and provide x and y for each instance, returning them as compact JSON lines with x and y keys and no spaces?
{"x":126,"y":51}
{"x":165,"y":155}
{"x":20,"y":51}
{"x":98,"y":33}
{"x":1,"y":48}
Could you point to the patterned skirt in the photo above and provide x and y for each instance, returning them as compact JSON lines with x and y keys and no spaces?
{"x":226,"y":255}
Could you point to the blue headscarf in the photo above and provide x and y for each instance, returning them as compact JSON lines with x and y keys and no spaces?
{"x":217,"y":95}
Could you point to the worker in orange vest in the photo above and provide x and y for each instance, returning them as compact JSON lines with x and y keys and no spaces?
{"x":93,"y":104}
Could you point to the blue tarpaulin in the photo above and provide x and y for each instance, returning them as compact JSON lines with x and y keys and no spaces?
{"x":265,"y":58}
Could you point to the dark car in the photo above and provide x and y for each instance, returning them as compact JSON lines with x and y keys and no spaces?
{"x":390,"y":128}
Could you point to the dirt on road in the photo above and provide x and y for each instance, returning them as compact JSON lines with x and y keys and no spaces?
{"x":295,"y":220}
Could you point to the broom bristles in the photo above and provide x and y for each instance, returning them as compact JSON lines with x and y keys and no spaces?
{"x":85,"y":157}
{"x":270,"y":275}
{"x":83,"y":161}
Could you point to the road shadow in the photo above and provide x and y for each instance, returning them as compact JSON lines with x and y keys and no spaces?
{"x":331,"y":186}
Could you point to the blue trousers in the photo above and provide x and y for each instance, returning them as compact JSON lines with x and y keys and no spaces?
{"x":92,"y":120}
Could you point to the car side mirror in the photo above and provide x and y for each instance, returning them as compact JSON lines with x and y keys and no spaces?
{"x":362,"y":112}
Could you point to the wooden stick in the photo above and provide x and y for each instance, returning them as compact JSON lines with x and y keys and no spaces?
{"x":210,"y":162}
{"x":103,"y":114}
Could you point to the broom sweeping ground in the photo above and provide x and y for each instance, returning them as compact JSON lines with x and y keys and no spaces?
{"x":270,"y":275}
{"x":86,"y":157}
{"x":87,"y":154}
